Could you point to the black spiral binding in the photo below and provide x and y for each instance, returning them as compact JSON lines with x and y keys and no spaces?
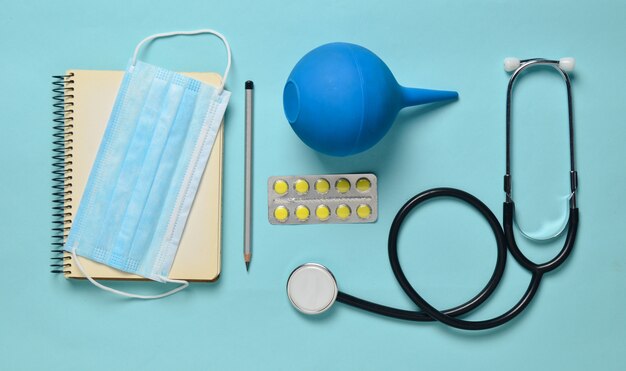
{"x":62,"y":169}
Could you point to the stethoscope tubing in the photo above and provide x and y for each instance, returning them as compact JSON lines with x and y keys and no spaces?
{"x":504,"y":236}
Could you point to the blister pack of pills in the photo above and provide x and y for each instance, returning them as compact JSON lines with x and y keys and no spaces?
{"x":318,"y":199}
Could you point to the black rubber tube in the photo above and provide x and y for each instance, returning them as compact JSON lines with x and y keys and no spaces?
{"x":503,"y":239}
{"x":509,"y":212}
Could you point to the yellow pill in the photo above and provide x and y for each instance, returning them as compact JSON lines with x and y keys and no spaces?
{"x":302,"y":213}
{"x":343,"y":211}
{"x":322,"y":212}
{"x":363,"y":185}
{"x":364,"y":211}
{"x":281,"y":187}
{"x":322,"y":186}
{"x":301,"y":186}
{"x":342,"y":185}
{"x":281,"y":213}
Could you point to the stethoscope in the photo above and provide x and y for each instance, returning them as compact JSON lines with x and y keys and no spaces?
{"x":312,"y":288}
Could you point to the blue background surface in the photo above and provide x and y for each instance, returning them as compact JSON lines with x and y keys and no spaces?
{"x":245,"y":321}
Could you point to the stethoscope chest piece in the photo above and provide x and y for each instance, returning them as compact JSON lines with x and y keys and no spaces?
{"x":312,"y":288}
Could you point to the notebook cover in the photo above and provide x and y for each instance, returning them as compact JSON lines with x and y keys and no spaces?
{"x":198,"y":256}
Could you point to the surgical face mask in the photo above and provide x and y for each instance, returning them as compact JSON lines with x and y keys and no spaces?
{"x":147,"y":170}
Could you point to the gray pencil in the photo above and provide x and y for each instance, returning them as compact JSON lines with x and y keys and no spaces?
{"x":247,"y":225}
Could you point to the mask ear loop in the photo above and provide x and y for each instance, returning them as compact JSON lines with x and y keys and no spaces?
{"x":183,"y":285}
{"x":196,"y":32}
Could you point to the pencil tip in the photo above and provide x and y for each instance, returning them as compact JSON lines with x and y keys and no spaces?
{"x":248,"y":266}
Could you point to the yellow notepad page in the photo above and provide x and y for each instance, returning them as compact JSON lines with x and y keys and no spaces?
{"x":198,"y":257}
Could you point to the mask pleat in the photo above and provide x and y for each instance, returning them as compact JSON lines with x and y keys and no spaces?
{"x":98,"y":193}
{"x":130,"y":168}
{"x":155,"y":209}
{"x":181,"y":174}
{"x":148,"y":174}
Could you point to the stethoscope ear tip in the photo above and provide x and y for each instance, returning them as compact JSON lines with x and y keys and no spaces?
{"x":567,"y":64}
{"x":312,"y":288}
{"x":511,"y":64}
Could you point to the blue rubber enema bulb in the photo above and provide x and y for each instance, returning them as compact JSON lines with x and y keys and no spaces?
{"x":341,"y":99}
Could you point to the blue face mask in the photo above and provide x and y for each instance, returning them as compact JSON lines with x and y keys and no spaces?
{"x":147,"y":170}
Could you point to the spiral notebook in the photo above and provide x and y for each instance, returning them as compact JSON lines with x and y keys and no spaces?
{"x":83,"y":101}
